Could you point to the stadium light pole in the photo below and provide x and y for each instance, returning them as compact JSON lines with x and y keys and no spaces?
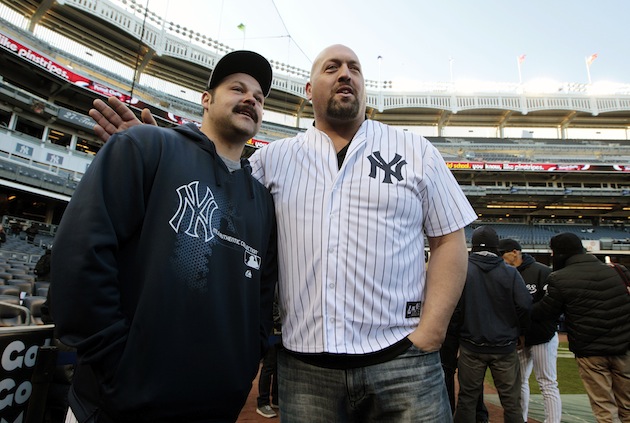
{"x":241,"y":26}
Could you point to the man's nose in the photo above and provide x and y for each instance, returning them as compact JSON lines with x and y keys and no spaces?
{"x":344,"y":72}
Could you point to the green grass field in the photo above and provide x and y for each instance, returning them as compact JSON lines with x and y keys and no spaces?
{"x":569,"y":381}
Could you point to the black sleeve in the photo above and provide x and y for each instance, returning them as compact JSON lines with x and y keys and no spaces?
{"x":268,"y":282}
{"x":105,"y":211}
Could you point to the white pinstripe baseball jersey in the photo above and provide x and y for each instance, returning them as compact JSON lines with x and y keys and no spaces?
{"x":350,"y":240}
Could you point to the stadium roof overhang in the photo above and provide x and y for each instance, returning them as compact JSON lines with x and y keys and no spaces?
{"x":111,"y":40}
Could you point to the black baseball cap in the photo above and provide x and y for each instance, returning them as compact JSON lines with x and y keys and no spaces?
{"x":484,"y":238}
{"x":508,"y":244}
{"x":243,"y":61}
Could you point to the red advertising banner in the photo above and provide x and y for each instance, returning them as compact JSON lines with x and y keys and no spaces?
{"x":536,"y":167}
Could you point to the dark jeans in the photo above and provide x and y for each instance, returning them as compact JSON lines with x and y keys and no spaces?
{"x":268,"y":379}
{"x":506,"y":372}
{"x":448,"y":355}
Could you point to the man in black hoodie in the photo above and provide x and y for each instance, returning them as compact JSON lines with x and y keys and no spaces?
{"x":540,"y":351}
{"x":493,"y":312}
{"x":165,"y":264}
{"x":596,"y":304}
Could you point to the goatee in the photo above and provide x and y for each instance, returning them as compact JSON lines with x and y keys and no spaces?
{"x":343,"y":111}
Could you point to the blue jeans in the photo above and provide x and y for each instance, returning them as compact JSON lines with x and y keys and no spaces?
{"x":409,"y":388}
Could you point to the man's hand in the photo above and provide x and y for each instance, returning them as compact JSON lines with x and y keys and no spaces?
{"x":115,"y":117}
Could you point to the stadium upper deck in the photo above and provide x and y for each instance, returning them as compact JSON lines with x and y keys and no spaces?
{"x":48,"y":84}
{"x":169,"y":52}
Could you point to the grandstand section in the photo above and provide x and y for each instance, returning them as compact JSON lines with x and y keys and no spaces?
{"x":532,"y":164}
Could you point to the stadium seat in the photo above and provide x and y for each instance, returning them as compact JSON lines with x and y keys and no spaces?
{"x":28,"y":277}
{"x":15,"y":271}
{"x":34,"y":304}
{"x":23,"y":285}
{"x":40,"y":285}
{"x":9,"y":290}
{"x":11,"y":312}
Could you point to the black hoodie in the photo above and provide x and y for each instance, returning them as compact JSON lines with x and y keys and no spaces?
{"x":495,"y":307}
{"x":535,"y":276}
{"x":164,"y":269}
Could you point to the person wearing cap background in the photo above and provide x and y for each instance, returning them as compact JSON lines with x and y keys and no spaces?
{"x":540,"y":349}
{"x":354,"y":199}
{"x":165,"y":264}
{"x":493,"y":312}
{"x":596,"y":304}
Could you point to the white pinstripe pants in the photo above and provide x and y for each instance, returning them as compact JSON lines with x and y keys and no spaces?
{"x":542,"y":359}
{"x":70,"y":417}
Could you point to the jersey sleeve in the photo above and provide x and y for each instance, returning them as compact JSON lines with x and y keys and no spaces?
{"x":446,"y":207}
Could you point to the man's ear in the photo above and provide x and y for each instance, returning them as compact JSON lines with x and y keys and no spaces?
{"x":309,"y":91}
{"x":206,"y":99}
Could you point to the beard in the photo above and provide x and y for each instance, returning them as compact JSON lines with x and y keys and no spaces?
{"x":343,"y":110}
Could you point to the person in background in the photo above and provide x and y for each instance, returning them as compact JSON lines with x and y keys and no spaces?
{"x":493,"y":312}
{"x":448,"y":356}
{"x":596,"y":303}
{"x":31,"y":233}
{"x":42,"y":267}
{"x":540,"y":348}
{"x":164,"y":264}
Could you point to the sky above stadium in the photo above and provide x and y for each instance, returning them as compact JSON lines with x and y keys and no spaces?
{"x":426,"y":41}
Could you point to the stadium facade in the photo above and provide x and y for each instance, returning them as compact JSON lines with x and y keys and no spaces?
{"x":531,"y":163}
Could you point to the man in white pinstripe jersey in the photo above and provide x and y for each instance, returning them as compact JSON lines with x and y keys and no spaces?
{"x":362,"y":320}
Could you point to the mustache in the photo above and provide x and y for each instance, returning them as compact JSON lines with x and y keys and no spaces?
{"x":250,"y":110}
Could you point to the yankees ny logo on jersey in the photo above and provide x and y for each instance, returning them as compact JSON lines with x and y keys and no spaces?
{"x":393,"y":168}
{"x":194,"y":212}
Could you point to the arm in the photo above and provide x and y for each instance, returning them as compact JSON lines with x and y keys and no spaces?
{"x":551,"y":306}
{"x":268,"y":286}
{"x":115,"y":117}
{"x":446,"y":276}
{"x":522,"y":303}
{"x":105,"y":212}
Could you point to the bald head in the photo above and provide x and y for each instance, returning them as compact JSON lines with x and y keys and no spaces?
{"x":337,"y":88}
{"x":332,"y":51}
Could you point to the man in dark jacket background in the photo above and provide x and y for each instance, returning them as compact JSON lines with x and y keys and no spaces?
{"x":596,"y":305}
{"x":540,"y":350}
{"x":493,"y":312}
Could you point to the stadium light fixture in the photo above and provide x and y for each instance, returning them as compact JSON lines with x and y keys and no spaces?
{"x":578,"y":207}
{"x":511,"y":206}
